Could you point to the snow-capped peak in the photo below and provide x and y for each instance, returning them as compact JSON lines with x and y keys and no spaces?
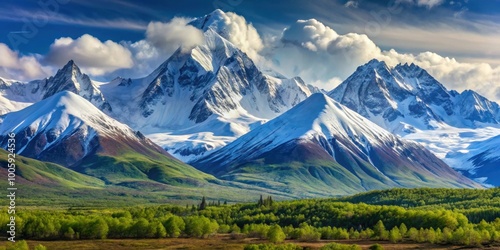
{"x":216,"y":21}
{"x":71,"y":78}
{"x":65,"y":128}
{"x":62,"y":113}
{"x":317,"y":117}
{"x":406,"y":98}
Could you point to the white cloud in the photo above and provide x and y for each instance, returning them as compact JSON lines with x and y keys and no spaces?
{"x":146,"y":58}
{"x":429,"y":3}
{"x":351,"y":4}
{"x":88,"y":52}
{"x":423,"y":3}
{"x":174,"y":34}
{"x":310,"y":34}
{"x":235,"y":29}
{"x":14,"y":66}
{"x":321,"y":56}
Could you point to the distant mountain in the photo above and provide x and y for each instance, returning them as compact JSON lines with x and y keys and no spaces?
{"x":406,"y":98}
{"x":203,"y":98}
{"x":16,"y":95}
{"x":68,"y":130}
{"x":320,"y":147}
{"x":481,"y":161}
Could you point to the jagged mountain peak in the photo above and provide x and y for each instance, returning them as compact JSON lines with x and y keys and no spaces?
{"x":215,"y":73}
{"x":215,"y":20}
{"x":70,"y":78}
{"x":406,"y":98}
{"x":70,"y":70}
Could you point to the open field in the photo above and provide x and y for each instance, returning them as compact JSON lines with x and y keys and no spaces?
{"x":218,"y":242}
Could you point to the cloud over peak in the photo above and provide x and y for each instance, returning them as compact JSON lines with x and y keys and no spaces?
{"x":94,"y":56}
{"x":174,"y":34}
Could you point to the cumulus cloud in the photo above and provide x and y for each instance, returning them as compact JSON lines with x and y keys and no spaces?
{"x":15,"y":66}
{"x":322,"y":57}
{"x":94,"y":56}
{"x":174,"y":34}
{"x":238,"y":31}
{"x":310,"y":34}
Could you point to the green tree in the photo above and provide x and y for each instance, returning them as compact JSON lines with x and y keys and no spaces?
{"x":276,"y":234}
{"x":174,"y":226}
{"x":395,"y":235}
{"x":140,"y":228}
{"x":69,"y":234}
{"x":403,"y":230}
{"x":18,"y":245}
{"x":376,"y":247}
{"x":158,"y":229}
{"x":337,"y":246}
{"x":40,"y":247}
{"x":98,"y":229}
{"x":413,"y":234}
{"x":235,"y":229}
{"x":203,"y":204}
{"x":379,"y":231}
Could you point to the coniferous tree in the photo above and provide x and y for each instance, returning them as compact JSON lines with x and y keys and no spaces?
{"x":203,"y":204}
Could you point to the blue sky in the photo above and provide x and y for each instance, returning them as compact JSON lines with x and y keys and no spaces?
{"x":128,"y":19}
{"x":461,"y":32}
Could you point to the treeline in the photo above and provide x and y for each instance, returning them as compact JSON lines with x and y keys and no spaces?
{"x":303,"y":220}
{"x":430,"y":197}
{"x":476,"y":204}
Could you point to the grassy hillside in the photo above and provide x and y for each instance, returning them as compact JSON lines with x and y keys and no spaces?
{"x":133,"y":166}
{"x":48,"y":174}
{"x":123,"y":181}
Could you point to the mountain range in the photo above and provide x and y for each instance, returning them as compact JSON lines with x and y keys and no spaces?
{"x":320,"y":147}
{"x":408,"y":101}
{"x":210,"y":117}
{"x":405,"y":98}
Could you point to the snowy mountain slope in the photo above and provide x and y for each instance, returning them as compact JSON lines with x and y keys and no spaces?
{"x":67,"y":129}
{"x":484,"y":157}
{"x":470,"y":151}
{"x":16,"y":95}
{"x":406,"y":98}
{"x":321,"y":142}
